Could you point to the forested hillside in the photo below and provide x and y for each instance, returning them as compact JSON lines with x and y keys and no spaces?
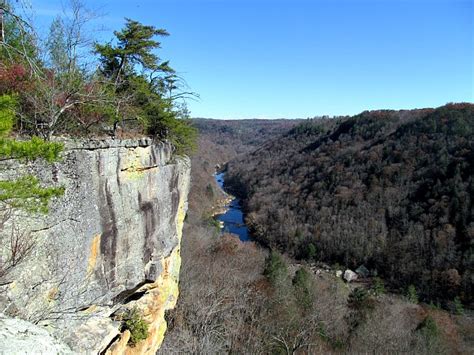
{"x":237,"y":297}
{"x":220,"y":141}
{"x":392,"y":190}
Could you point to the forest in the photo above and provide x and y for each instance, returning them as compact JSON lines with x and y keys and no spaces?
{"x":220,"y":141}
{"x":239,"y":297}
{"x":390,"y":190}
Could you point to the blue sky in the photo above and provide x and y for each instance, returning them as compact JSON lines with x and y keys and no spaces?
{"x":302,"y":58}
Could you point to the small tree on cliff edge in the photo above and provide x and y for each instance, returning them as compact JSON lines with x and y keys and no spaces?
{"x":144,"y":86}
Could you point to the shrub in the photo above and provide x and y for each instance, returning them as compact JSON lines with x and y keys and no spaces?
{"x":213,"y":222}
{"x":25,"y":192}
{"x":435,"y":306}
{"x":311,"y":252}
{"x":429,"y":331}
{"x":302,"y":287}
{"x":137,"y":326}
{"x":358,"y":298}
{"x":209,"y":191}
{"x":378,"y":287}
{"x":275,"y":267}
{"x":458,"y":307}
{"x":360,"y":304}
{"x":182,"y":135}
{"x":412,"y":295}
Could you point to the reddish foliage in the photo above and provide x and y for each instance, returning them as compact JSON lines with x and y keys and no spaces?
{"x":14,"y":78}
{"x":228,"y":244}
{"x":448,"y":328}
{"x":263,"y":286}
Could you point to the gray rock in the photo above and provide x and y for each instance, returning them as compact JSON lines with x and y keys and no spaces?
{"x":350,"y":275}
{"x":21,"y":337}
{"x":120,"y":217}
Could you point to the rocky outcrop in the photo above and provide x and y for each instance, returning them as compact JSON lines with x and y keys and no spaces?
{"x":17,"y":335}
{"x":350,"y":275}
{"x":111,"y":243}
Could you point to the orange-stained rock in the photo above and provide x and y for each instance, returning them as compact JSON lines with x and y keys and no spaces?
{"x":119,"y":346}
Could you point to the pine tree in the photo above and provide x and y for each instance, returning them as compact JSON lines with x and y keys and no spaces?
{"x":143,"y":86}
{"x":134,"y":48}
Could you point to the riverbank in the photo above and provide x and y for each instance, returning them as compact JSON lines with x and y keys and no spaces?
{"x":231,"y":217}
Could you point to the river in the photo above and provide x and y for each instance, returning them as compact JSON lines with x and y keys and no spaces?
{"x":233,"y":218}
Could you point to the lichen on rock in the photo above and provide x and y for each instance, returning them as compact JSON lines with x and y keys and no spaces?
{"x":110,"y":243}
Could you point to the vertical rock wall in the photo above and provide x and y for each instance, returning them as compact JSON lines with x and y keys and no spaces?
{"x":110,"y":244}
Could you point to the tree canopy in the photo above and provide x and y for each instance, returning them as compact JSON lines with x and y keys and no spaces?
{"x":133,"y":92}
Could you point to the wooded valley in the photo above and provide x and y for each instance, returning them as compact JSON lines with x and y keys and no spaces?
{"x":391,"y":190}
{"x":240,"y":297}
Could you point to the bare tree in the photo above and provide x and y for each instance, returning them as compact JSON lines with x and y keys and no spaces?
{"x":16,"y":245}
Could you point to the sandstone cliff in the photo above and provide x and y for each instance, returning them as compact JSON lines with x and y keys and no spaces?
{"x":111,"y":243}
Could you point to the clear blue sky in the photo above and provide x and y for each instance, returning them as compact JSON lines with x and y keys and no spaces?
{"x":296,"y":58}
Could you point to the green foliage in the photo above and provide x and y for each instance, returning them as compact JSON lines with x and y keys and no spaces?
{"x":151,"y":97}
{"x":337,"y":266}
{"x":359,"y":299}
{"x":211,"y":221}
{"x":435,"y":306}
{"x":378,"y":286}
{"x":137,"y":326}
{"x":31,"y":149}
{"x":302,"y":286}
{"x":360,"y":304}
{"x":134,"y":47}
{"x":411,"y":294}
{"x":57,"y":46}
{"x":429,"y":330}
{"x":275,"y":268}
{"x":302,"y":278}
{"x":209,"y":191}
{"x":338,"y":343}
{"x":458,"y":307}
{"x":19,"y":38}
{"x":308,"y":127}
{"x":7,"y":114}
{"x":452,"y":119}
{"x":24,"y":192}
{"x":181,"y":134}
{"x":311,"y":251}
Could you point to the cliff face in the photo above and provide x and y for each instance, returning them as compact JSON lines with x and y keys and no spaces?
{"x":110,"y":244}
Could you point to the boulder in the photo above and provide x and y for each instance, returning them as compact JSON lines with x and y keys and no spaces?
{"x":21,"y":337}
{"x":350,"y":275}
{"x":338,"y":273}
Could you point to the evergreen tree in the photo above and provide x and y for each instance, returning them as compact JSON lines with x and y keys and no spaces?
{"x":142,"y":85}
{"x":134,"y":47}
{"x":302,"y":286}
{"x":275,"y":268}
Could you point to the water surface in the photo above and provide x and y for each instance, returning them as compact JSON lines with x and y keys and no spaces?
{"x":234,"y":217}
